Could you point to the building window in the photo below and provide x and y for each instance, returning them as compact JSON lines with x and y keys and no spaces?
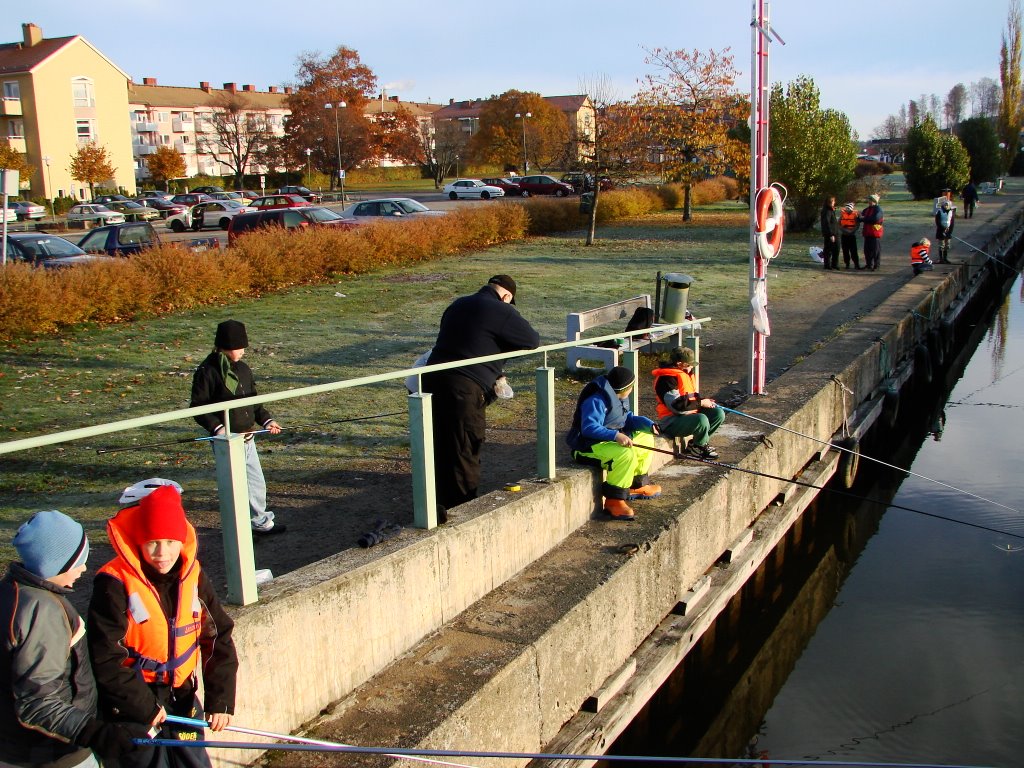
{"x":15,"y":129}
{"x":85,"y":130}
{"x":163,"y":117}
{"x":165,"y":139}
{"x":82,"y":92}
{"x":12,"y":91}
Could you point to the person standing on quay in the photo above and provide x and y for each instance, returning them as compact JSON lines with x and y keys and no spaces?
{"x":480,"y":324}
{"x":849,"y":221}
{"x":970,"y":195}
{"x":830,"y":234}
{"x":871,"y":219}
{"x":945,"y":219}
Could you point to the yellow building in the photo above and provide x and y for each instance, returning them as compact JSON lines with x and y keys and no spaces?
{"x":58,"y":94}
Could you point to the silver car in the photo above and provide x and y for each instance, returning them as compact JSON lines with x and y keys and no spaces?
{"x":95,"y":212}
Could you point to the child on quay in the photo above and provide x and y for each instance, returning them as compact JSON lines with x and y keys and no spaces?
{"x":605,"y":432}
{"x":48,"y":705}
{"x":155,"y":588}
{"x":920,"y":261}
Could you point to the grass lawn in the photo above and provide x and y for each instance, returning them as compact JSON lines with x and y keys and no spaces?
{"x":351,"y":327}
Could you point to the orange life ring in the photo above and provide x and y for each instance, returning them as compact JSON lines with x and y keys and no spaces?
{"x":768,"y":222}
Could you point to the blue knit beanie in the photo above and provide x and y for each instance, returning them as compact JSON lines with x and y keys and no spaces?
{"x":51,"y":543}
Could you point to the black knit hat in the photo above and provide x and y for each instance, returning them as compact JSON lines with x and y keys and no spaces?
{"x":620,"y":378}
{"x":231,"y":335}
{"x":505,"y":282}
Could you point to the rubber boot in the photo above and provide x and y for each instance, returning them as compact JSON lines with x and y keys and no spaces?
{"x":618,"y":509}
{"x":648,"y":491}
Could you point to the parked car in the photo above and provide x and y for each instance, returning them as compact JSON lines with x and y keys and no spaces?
{"x":120,"y":239}
{"x":164,"y":207}
{"x":47,"y":251}
{"x":289,"y":218}
{"x":303,"y":192}
{"x":543,"y":185}
{"x":248,"y":194}
{"x":472,"y":188}
{"x":104,"y":199}
{"x":154,"y":194}
{"x":389,"y":206}
{"x":9,"y":214}
{"x":134,"y":211}
{"x":215,"y":214}
{"x":208,"y":190}
{"x":191,"y":198}
{"x":95,"y":212}
{"x":229,"y":196}
{"x":279,"y":201}
{"x":26,"y":209}
{"x":509,"y":187}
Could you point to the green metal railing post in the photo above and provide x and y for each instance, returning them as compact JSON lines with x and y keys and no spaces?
{"x":421,"y":447}
{"x":236,"y":530}
{"x":630,"y":358}
{"x":546,"y":423}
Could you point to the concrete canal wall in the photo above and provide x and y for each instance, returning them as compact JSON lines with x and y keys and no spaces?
{"x":495,"y":631}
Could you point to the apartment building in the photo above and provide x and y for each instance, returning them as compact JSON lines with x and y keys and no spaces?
{"x":181,"y":117}
{"x":60,"y":93}
{"x":578,"y":110}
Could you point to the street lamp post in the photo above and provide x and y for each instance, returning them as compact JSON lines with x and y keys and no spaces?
{"x":308,"y":176}
{"x":456,"y":166}
{"x":526,"y":163}
{"x":337,"y":138}
{"x":49,"y":185}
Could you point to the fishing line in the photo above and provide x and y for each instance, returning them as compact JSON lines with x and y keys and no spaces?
{"x":408,"y":753}
{"x":872,"y":458}
{"x":296,"y":739}
{"x":976,"y":248}
{"x":835,"y":491}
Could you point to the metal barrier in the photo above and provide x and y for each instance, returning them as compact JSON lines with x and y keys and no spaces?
{"x":232,"y":487}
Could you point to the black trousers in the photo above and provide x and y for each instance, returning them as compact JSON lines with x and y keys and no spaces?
{"x":830,"y":252}
{"x":460,"y":422}
{"x":849,"y":243}
{"x":872,"y":252}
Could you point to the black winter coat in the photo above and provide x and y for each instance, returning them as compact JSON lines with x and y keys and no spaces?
{"x":208,"y":387}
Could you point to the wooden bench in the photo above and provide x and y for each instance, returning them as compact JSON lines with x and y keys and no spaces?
{"x":619,"y":313}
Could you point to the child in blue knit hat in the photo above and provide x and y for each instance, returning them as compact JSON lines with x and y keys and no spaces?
{"x":48,"y":706}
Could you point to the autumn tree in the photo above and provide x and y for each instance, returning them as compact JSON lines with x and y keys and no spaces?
{"x":165,"y":164}
{"x":237,"y":129}
{"x":955,"y":106}
{"x":1011,"y":116}
{"x":812,"y":150}
{"x":91,"y":164}
{"x":438,"y":148}
{"x":345,"y":131}
{"x":685,"y":111}
{"x":592,"y":146}
{"x":396,"y":135}
{"x":934,"y":161}
{"x":501,"y":135}
{"x":981,"y":141}
{"x":12,"y":160}
{"x":984,"y":94}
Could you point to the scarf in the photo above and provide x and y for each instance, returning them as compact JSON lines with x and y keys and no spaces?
{"x":230,"y":377}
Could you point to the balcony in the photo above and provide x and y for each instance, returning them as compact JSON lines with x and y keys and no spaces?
{"x":146,"y":127}
{"x":183,"y":146}
{"x":10,"y":107}
{"x":144,"y":149}
{"x":17,"y":143}
{"x":178,"y":125}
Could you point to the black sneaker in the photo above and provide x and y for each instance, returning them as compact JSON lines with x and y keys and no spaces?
{"x":702,"y":451}
{"x":273,"y":530}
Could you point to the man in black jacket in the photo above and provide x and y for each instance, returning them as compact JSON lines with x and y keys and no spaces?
{"x":221,"y":377}
{"x":483,"y":323}
{"x":830,"y":234}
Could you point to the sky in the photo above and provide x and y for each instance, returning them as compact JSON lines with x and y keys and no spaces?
{"x":866,"y":58}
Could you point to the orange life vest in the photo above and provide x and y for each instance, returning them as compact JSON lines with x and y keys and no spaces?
{"x":684,"y":384}
{"x":918,"y":254}
{"x":848,"y":221}
{"x":160,"y":650}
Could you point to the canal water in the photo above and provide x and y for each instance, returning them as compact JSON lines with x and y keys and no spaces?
{"x":887,"y":635}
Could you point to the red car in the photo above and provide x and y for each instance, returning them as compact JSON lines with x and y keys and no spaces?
{"x":543,"y":185}
{"x":279,"y":201}
{"x":510,"y":187}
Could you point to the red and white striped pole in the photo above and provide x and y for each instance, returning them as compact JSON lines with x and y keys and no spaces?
{"x":759,"y":103}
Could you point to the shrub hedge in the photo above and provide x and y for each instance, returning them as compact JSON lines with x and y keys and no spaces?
{"x":169,"y":278}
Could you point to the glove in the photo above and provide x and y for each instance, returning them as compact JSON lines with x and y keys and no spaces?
{"x":109,"y":740}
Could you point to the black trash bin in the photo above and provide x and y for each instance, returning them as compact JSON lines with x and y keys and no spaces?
{"x":586,"y":202}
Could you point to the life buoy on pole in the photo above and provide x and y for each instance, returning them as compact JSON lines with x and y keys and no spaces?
{"x":769,"y":216}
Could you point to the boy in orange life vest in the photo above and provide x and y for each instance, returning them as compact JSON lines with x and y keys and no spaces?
{"x":683,"y":412}
{"x":919,"y":259}
{"x":155,"y":585}
{"x":849,"y":221}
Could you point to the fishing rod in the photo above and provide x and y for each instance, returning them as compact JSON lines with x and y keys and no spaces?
{"x":410,"y":753}
{"x":200,"y":724}
{"x":185,"y":440}
{"x":847,"y":494}
{"x":976,"y":248}
{"x":871,"y":458}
